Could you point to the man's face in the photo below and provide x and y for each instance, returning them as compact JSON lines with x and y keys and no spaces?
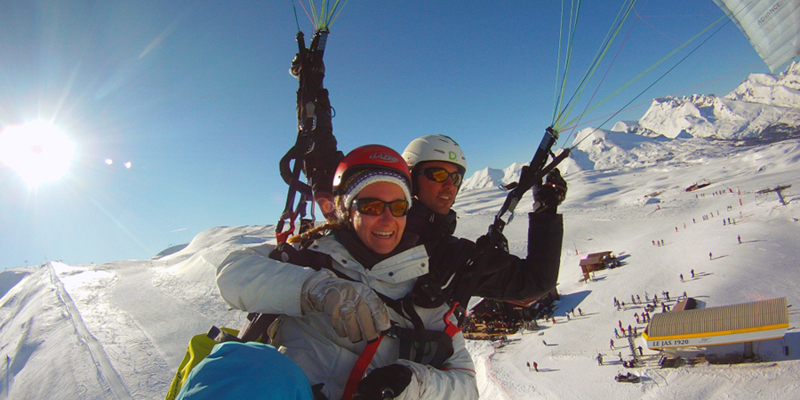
{"x":438,"y":196}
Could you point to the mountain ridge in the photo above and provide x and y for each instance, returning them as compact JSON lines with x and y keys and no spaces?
{"x":764,"y":108}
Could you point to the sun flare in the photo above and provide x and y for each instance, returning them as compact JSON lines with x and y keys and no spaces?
{"x":38,"y":151}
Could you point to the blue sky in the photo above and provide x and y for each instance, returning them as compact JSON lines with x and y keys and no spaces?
{"x":196,"y":95}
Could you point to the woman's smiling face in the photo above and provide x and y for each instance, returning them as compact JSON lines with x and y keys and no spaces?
{"x":380,"y":233}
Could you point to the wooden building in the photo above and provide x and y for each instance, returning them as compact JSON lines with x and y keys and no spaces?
{"x":526,"y":310}
{"x":597,"y":262}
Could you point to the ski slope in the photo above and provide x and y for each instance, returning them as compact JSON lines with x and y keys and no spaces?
{"x":119,"y":330}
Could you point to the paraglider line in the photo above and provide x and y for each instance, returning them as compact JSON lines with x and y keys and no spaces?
{"x":654,"y":82}
{"x":606,"y":74}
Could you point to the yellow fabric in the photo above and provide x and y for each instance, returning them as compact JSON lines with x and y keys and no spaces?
{"x":199,"y":348}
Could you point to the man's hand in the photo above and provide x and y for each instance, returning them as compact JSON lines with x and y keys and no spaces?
{"x":547,"y":196}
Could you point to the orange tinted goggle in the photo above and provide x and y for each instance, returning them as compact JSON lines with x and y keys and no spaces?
{"x":440,"y":175}
{"x":368,"y":206}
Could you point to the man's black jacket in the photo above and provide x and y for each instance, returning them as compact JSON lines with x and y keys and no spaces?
{"x":503,"y":276}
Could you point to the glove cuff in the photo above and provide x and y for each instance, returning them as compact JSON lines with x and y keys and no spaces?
{"x":317,"y":277}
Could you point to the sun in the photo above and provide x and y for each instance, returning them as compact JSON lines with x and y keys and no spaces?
{"x":38,"y":151}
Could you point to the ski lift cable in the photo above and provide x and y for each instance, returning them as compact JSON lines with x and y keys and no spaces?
{"x":659,"y":78}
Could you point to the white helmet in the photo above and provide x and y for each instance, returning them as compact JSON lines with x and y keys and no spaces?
{"x":435,"y":148}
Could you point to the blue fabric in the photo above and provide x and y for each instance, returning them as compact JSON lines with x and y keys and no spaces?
{"x":245,"y":371}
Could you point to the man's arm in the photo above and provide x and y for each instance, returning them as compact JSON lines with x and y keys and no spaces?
{"x":507,"y":277}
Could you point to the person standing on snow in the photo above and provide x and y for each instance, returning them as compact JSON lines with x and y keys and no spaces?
{"x":332,"y":296}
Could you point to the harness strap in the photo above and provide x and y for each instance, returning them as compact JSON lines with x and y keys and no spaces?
{"x":407,"y":337}
{"x":361,"y":366}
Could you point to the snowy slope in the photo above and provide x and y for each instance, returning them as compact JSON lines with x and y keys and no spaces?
{"x":118,"y":330}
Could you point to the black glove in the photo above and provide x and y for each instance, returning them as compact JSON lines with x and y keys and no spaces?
{"x":547,"y":196}
{"x":384,"y":383}
{"x":501,"y":243}
{"x":488,"y":260}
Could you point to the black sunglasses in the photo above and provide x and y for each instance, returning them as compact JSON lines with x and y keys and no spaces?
{"x":439,"y":174}
{"x":370,"y":206}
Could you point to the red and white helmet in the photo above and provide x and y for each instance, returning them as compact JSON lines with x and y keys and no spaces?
{"x":368,"y":164}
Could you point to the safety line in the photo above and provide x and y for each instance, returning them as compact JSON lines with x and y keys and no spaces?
{"x":615,"y":27}
{"x":668,"y":94}
{"x":657,"y":63}
{"x":574,"y":11}
{"x":603,"y":79}
{"x":657,"y":80}
{"x":296,"y":21}
{"x":558,"y":62}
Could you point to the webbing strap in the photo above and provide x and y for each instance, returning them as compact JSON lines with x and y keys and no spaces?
{"x":361,"y":366}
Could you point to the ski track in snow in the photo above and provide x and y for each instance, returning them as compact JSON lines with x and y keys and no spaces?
{"x":106,"y":373}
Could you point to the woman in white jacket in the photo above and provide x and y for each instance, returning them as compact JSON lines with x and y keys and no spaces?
{"x":332,"y":295}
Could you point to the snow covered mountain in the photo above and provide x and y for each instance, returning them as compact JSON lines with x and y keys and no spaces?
{"x":761,"y":102}
{"x":490,"y":177}
{"x":764,"y":108}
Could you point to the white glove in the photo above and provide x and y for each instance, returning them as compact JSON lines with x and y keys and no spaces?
{"x":356,"y":311}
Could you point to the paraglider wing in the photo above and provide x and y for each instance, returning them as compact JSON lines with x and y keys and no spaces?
{"x":772,"y":26}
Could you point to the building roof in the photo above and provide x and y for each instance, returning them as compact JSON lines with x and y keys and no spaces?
{"x":747,"y":318}
{"x":594,"y":258}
